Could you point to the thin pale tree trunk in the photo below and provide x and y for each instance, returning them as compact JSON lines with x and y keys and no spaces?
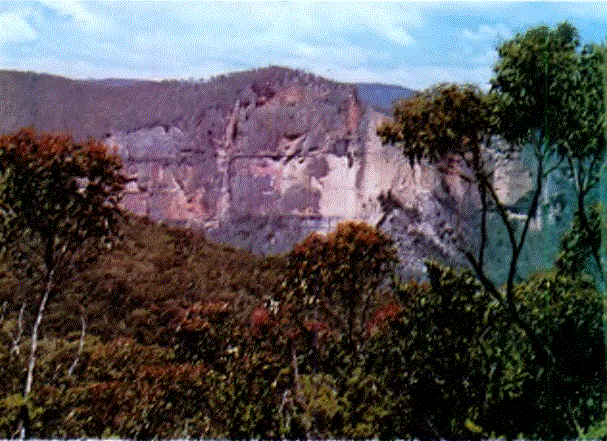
{"x":32,"y":361}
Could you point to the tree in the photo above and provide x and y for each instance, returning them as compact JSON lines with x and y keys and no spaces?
{"x":444,"y":120}
{"x":333,"y":284}
{"x":443,"y":123}
{"x":551,"y":94}
{"x":545,"y":94}
{"x":338,"y":275}
{"x":58,"y":208}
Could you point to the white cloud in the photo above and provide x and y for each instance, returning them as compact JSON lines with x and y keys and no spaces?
{"x":399,"y":36}
{"x":82,"y":17}
{"x":412,"y":44}
{"x":15,"y":27}
{"x":276,"y":33}
{"x":488,"y":33}
{"x":345,"y":55}
{"x":288,"y":21}
{"x":591,"y":10}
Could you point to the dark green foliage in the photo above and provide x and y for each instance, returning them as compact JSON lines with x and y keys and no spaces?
{"x":533,"y":71}
{"x":567,"y":312}
{"x":550,"y":93}
{"x":433,"y":356}
{"x":546,"y":83}
{"x":463,"y":370}
{"x":575,"y":256}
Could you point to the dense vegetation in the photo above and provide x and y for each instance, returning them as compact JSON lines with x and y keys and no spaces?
{"x":186,"y":338}
{"x":111,"y":325}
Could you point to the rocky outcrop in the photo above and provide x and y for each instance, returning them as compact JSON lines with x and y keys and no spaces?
{"x":259,"y":159}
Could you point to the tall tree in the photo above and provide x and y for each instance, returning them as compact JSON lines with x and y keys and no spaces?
{"x":58,"y":207}
{"x":444,"y":120}
{"x":551,"y":94}
{"x":546,"y":94}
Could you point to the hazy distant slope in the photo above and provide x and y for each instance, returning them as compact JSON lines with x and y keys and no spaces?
{"x":382,"y":96}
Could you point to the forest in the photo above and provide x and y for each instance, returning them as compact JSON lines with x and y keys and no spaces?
{"x":112,"y":325}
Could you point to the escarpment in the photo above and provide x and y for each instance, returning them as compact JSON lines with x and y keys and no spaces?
{"x":260,"y":159}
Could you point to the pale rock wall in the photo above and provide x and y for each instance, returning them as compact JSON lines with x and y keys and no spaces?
{"x":260,"y":159}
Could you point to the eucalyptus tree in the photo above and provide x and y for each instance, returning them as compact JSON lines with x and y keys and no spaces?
{"x":546,"y":95}
{"x":550,"y":94}
{"x":58,"y":207}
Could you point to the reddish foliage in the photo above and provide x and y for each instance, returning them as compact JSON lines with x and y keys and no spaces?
{"x":318,"y":332}
{"x":387,"y":313}
{"x":260,"y":321}
{"x":383,"y":316}
{"x":198,"y":316}
{"x":338,"y":275}
{"x":321,"y":329}
{"x":174,"y":372}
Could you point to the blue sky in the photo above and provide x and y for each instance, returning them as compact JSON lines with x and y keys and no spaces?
{"x":406,"y":43}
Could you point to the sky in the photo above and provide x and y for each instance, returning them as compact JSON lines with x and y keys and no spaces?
{"x":412,"y":44}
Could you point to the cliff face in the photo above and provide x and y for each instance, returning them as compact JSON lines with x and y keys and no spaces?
{"x":259,"y":159}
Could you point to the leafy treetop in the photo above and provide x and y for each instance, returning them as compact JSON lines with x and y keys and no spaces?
{"x":57,"y":193}
{"x":446,"y":119}
{"x":336,"y":276}
{"x":550,"y":90}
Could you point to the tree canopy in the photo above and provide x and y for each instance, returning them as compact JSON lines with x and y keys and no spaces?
{"x":56,"y":195}
{"x":546,"y":95}
{"x":445,"y":119}
{"x":338,"y":276}
{"x":549,"y":87}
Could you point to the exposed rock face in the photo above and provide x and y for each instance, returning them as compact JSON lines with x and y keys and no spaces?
{"x":259,"y":159}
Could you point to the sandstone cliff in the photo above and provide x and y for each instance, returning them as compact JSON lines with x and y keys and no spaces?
{"x":259,"y":159}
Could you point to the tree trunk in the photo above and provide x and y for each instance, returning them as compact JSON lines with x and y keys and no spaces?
{"x":32,"y":361}
{"x":24,"y":423}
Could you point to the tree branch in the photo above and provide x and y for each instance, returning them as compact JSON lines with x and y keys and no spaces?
{"x":19,"y":334}
{"x":509,"y":302}
{"x":481,"y":251}
{"x":80,"y":343}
